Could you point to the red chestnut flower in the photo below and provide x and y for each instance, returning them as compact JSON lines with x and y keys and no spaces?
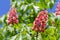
{"x":12,"y":16}
{"x":58,"y":9}
{"x":40,"y":22}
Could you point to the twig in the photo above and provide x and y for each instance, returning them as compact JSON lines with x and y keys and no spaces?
{"x":37,"y":35}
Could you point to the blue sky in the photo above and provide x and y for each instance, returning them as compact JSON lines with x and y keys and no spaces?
{"x":5,"y":5}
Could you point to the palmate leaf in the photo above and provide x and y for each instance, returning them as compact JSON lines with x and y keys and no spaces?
{"x":52,"y":38}
{"x":49,"y":34}
{"x":28,"y":12}
{"x":24,"y":33}
{"x":20,"y":36}
{"x":50,"y":31}
{"x":44,"y":4}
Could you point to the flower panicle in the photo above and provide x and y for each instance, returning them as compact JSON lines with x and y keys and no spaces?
{"x":40,"y":22}
{"x":58,"y":9}
{"x":12,"y":16}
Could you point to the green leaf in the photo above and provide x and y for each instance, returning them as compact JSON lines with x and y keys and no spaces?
{"x":50,"y":31}
{"x":13,"y":0}
{"x":50,"y":5}
{"x":47,"y":1}
{"x":1,"y":36}
{"x":5,"y":18}
{"x":40,"y":5}
{"x":29,"y":1}
{"x":0,"y":22}
{"x":52,"y":37}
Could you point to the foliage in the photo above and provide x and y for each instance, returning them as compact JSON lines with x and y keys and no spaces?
{"x":27,"y":11}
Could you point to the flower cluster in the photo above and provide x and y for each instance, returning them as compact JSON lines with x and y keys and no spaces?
{"x":40,"y":21}
{"x":58,"y":9}
{"x":12,"y":17}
